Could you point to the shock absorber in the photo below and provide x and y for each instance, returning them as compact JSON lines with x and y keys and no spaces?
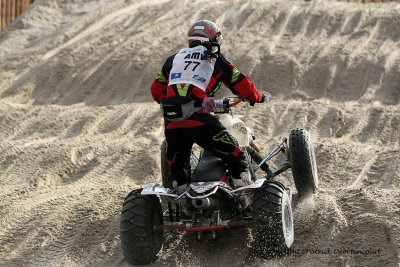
{"x":257,"y":159}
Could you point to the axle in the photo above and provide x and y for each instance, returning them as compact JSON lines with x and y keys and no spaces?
{"x":188,"y":228}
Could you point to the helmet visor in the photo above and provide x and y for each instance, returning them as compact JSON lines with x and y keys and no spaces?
{"x":219,"y":38}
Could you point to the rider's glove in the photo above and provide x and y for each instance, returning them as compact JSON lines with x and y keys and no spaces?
{"x":265,"y":97}
{"x":208,"y":104}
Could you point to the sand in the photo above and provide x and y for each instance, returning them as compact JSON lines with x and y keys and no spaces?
{"x":79,"y":129}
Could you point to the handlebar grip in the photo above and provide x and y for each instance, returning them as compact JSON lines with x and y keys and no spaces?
{"x":221,"y":106}
{"x":222,"y":103}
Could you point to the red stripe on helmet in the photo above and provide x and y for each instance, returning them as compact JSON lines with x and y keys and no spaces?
{"x":210,"y":32}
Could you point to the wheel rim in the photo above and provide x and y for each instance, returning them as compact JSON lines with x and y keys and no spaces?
{"x":287,"y":220}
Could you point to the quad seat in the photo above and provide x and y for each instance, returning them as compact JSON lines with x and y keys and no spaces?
{"x":209,"y":169}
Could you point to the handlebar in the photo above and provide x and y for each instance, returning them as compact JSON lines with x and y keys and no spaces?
{"x":224,"y":105}
{"x":235,"y":103}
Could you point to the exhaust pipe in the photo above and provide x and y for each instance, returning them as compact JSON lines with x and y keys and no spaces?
{"x":205,"y":203}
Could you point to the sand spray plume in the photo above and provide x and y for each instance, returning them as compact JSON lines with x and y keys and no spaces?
{"x":304,"y":209}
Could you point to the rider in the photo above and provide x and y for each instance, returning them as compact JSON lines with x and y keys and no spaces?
{"x":185,"y":87}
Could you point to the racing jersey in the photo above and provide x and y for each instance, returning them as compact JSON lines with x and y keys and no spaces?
{"x":189,"y":73}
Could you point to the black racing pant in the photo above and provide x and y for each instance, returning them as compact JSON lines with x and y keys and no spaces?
{"x":211,"y":136}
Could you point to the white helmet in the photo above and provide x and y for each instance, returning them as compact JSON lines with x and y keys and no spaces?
{"x":204,"y":32}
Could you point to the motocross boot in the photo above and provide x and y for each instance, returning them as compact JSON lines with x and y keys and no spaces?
{"x":245,"y":179}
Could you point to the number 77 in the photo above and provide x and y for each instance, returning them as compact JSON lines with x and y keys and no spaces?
{"x":190,"y":62}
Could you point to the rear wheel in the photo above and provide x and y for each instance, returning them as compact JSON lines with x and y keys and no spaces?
{"x":272,"y":219}
{"x":302,"y":159}
{"x":140,"y":240}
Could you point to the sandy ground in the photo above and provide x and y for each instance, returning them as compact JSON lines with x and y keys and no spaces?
{"x":79,"y":130}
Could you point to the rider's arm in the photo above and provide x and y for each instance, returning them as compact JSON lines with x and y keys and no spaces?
{"x":237,"y":82}
{"x":159,"y":88}
{"x":160,"y":84}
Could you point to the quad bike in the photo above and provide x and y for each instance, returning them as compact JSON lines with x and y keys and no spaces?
{"x":210,"y":203}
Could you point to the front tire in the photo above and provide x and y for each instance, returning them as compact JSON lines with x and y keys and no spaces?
{"x":140,"y":241}
{"x":302,"y":159}
{"x":273,"y":231}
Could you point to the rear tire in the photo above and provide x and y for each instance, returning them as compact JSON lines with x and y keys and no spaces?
{"x":272,"y":220}
{"x":302,"y":159}
{"x":140,"y":242}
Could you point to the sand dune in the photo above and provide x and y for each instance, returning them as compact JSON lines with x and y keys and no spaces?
{"x":79,"y":130}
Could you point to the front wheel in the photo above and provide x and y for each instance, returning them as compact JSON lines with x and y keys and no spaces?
{"x":302,"y":159}
{"x":272,"y":219}
{"x":141,"y":241}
